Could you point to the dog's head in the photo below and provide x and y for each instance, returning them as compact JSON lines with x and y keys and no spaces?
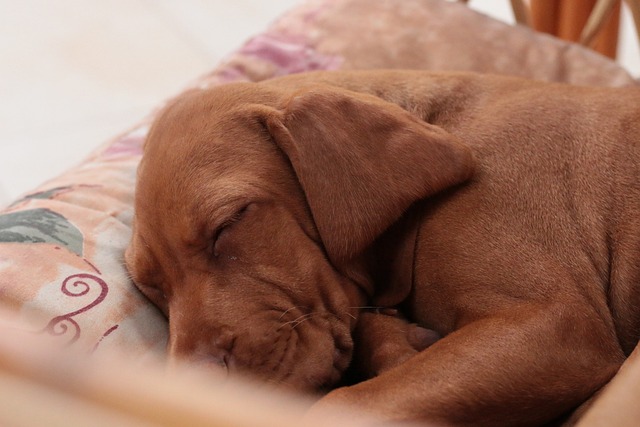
{"x":251,"y":206}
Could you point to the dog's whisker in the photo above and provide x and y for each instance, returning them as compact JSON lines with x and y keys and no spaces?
{"x":299,"y":318}
{"x":337,"y":316}
{"x":304,"y":318}
{"x":284,"y":313}
{"x":295,"y":322}
{"x":127,"y":274}
{"x":299,"y":322}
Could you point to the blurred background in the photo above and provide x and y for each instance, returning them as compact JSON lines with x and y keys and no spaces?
{"x":74,"y":73}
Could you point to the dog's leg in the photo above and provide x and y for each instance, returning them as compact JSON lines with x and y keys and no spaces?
{"x":384,"y":340}
{"x":522,"y":367}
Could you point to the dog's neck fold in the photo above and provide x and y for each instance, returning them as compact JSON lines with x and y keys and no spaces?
{"x":384,"y":272}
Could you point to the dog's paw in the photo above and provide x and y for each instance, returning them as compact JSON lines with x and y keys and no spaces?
{"x":421,"y":338}
{"x":385,"y":339}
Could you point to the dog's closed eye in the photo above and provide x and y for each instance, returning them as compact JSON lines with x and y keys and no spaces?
{"x":221,"y":236}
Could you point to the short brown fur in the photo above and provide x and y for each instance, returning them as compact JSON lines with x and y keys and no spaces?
{"x":502,"y":213}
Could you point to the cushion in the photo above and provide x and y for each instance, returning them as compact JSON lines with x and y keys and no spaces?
{"x":62,"y":245}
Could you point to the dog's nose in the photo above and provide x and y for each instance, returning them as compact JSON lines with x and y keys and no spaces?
{"x":223,"y":340}
{"x":220,"y":354}
{"x":212,"y":361}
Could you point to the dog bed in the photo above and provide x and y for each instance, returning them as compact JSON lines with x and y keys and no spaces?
{"x":62,"y":245}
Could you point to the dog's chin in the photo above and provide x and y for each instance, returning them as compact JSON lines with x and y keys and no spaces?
{"x":332,"y":362}
{"x":309,"y":360}
{"x":323,"y":363}
{"x":327,"y":377}
{"x":318,"y":379}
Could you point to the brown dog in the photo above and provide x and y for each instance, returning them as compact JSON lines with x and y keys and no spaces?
{"x":502,"y":213}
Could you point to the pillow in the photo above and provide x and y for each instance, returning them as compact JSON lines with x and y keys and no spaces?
{"x":61,"y":247}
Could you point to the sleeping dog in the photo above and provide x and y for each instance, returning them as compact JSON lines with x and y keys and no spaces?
{"x":502,"y":213}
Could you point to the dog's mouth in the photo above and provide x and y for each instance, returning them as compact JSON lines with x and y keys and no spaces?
{"x":323,"y":382}
{"x":307,"y":357}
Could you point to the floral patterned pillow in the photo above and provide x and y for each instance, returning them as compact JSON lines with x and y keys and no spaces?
{"x":61,"y":247}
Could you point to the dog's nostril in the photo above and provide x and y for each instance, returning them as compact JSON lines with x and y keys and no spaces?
{"x":219,"y":355}
{"x":217,"y":361}
{"x":224,"y":340}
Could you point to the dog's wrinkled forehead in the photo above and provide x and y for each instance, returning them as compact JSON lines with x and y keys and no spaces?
{"x":201,"y":125}
{"x":206,"y":146}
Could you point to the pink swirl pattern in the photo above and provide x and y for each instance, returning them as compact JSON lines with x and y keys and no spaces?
{"x":76,"y":285}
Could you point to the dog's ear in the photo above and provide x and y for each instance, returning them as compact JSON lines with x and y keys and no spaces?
{"x":362,"y":162}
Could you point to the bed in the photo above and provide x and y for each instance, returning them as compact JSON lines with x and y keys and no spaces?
{"x":62,"y":279}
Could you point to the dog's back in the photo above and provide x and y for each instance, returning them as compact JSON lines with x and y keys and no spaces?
{"x":555,"y":197}
{"x":553,"y":205}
